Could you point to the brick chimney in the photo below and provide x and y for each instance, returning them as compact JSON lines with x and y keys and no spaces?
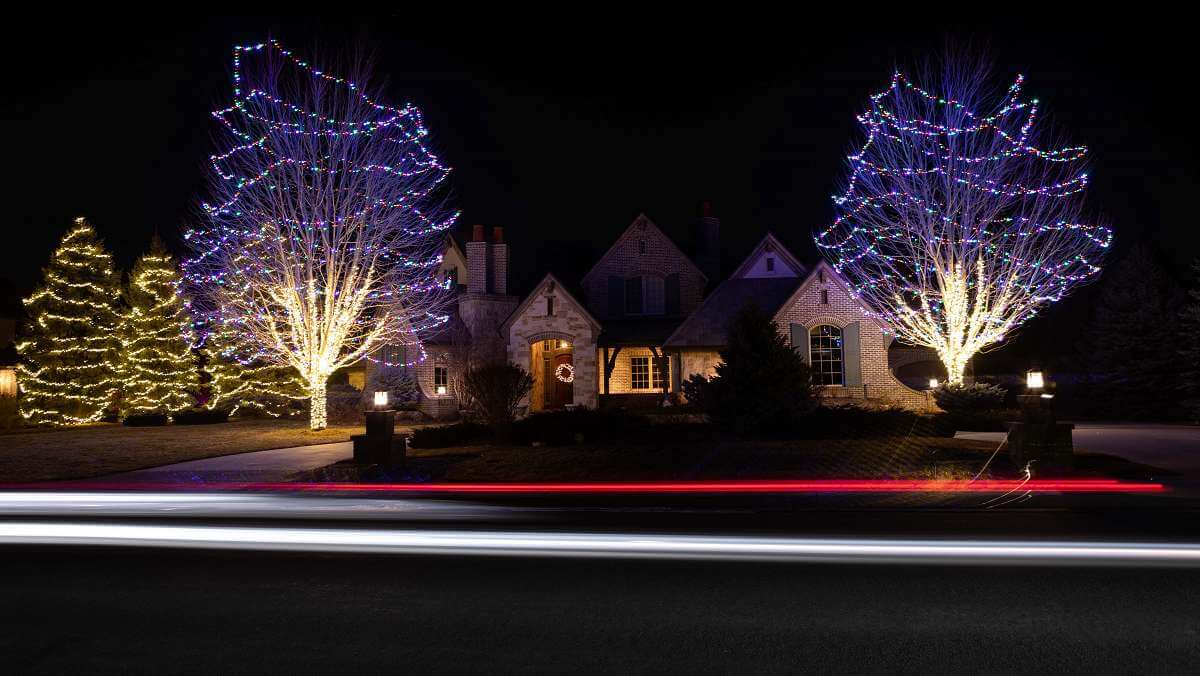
{"x":499,"y":261}
{"x":708,"y":257}
{"x":477,"y":262}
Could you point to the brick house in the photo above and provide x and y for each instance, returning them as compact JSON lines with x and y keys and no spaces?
{"x":639,"y":322}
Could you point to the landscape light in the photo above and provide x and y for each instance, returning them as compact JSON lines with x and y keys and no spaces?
{"x":1034,"y":380}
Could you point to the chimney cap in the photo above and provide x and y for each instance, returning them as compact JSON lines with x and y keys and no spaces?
{"x":477,"y":233}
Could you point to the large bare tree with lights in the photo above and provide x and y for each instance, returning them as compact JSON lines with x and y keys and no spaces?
{"x":324,"y":221}
{"x":955,"y":226}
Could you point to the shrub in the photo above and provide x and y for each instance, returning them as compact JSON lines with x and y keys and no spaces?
{"x":561,"y":428}
{"x":493,"y":392}
{"x":761,"y":384}
{"x":458,"y":434}
{"x":969,"y":398}
{"x":145,"y":420}
{"x":398,"y":382}
{"x":201,"y":416}
{"x":343,"y":404}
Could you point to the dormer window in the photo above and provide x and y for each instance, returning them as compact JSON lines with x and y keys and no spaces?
{"x":770,"y":264}
{"x":641,"y":246}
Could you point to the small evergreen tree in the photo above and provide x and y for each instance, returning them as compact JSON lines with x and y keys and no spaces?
{"x":1129,"y":347}
{"x":158,"y":370}
{"x":1190,"y":349}
{"x":69,"y":349}
{"x":761,"y":384}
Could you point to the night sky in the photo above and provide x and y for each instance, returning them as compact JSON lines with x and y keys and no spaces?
{"x":564,"y":136}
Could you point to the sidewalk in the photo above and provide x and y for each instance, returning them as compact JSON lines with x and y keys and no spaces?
{"x":273,"y":465}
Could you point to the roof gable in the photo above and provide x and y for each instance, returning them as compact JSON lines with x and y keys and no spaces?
{"x":831,"y":277}
{"x":636,"y":228}
{"x":784,"y":264}
{"x":548,"y":282}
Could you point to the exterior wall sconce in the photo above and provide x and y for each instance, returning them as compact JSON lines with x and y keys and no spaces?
{"x":933,"y":383}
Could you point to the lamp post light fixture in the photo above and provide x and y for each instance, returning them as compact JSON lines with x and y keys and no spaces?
{"x":1035,"y":381}
{"x":381,"y":400}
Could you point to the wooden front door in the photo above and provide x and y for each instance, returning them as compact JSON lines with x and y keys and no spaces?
{"x":561,"y":393}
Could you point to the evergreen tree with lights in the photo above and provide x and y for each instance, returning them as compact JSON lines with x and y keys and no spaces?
{"x":158,"y":370}
{"x":69,"y":349}
{"x":244,"y":384}
{"x":325,"y":222}
{"x":954,"y":225}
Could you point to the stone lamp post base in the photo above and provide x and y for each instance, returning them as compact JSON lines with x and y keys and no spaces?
{"x":380,"y":445}
{"x":1039,"y":438}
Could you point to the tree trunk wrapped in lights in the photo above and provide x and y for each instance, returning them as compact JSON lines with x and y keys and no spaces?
{"x":955,"y":226}
{"x":157,"y":368}
{"x":69,"y":349}
{"x":324,"y":222}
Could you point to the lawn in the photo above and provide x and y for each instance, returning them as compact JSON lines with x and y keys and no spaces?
{"x":97,"y":450}
{"x":906,"y":456}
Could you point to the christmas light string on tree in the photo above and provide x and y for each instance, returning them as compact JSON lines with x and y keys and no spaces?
{"x":69,"y":351}
{"x":955,"y":227}
{"x":324,"y":226}
{"x":157,"y":368}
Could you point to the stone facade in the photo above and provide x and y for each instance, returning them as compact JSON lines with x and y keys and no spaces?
{"x":550,"y":312}
{"x":823,"y":299}
{"x":643,"y":250}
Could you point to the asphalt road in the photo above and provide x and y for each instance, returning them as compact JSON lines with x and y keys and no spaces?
{"x":70,"y":609}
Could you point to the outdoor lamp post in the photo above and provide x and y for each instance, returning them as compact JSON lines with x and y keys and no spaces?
{"x":375,"y":447}
{"x":1035,"y":381}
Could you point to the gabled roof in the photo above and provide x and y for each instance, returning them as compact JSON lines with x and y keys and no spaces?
{"x":642,"y":219}
{"x":837,"y":281}
{"x":559,"y":288}
{"x":770,"y":243}
{"x":706,"y":327}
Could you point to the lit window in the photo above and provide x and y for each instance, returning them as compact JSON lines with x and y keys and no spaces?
{"x":659,"y":375}
{"x":825,"y":350}
{"x":639,"y":373}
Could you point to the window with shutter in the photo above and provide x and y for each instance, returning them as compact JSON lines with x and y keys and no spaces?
{"x":616,"y":296}
{"x":671,"y":292}
{"x":633,"y":296}
{"x":653,"y":288}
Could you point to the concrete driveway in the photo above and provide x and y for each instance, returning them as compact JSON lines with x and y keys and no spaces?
{"x":1173,"y":447}
{"x":272,"y":465}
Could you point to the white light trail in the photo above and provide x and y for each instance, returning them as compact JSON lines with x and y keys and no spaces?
{"x":606,"y":545}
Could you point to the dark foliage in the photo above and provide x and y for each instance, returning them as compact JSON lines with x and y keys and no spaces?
{"x":761,"y":384}
{"x":343,"y":403}
{"x":974,"y":398}
{"x":1189,"y":326}
{"x":201,"y":416}
{"x":559,"y":428}
{"x":1127,"y":349}
{"x":493,"y":392}
{"x":145,"y":420}
{"x":463,"y":433}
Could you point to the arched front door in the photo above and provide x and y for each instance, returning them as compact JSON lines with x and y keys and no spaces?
{"x":562,"y":390}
